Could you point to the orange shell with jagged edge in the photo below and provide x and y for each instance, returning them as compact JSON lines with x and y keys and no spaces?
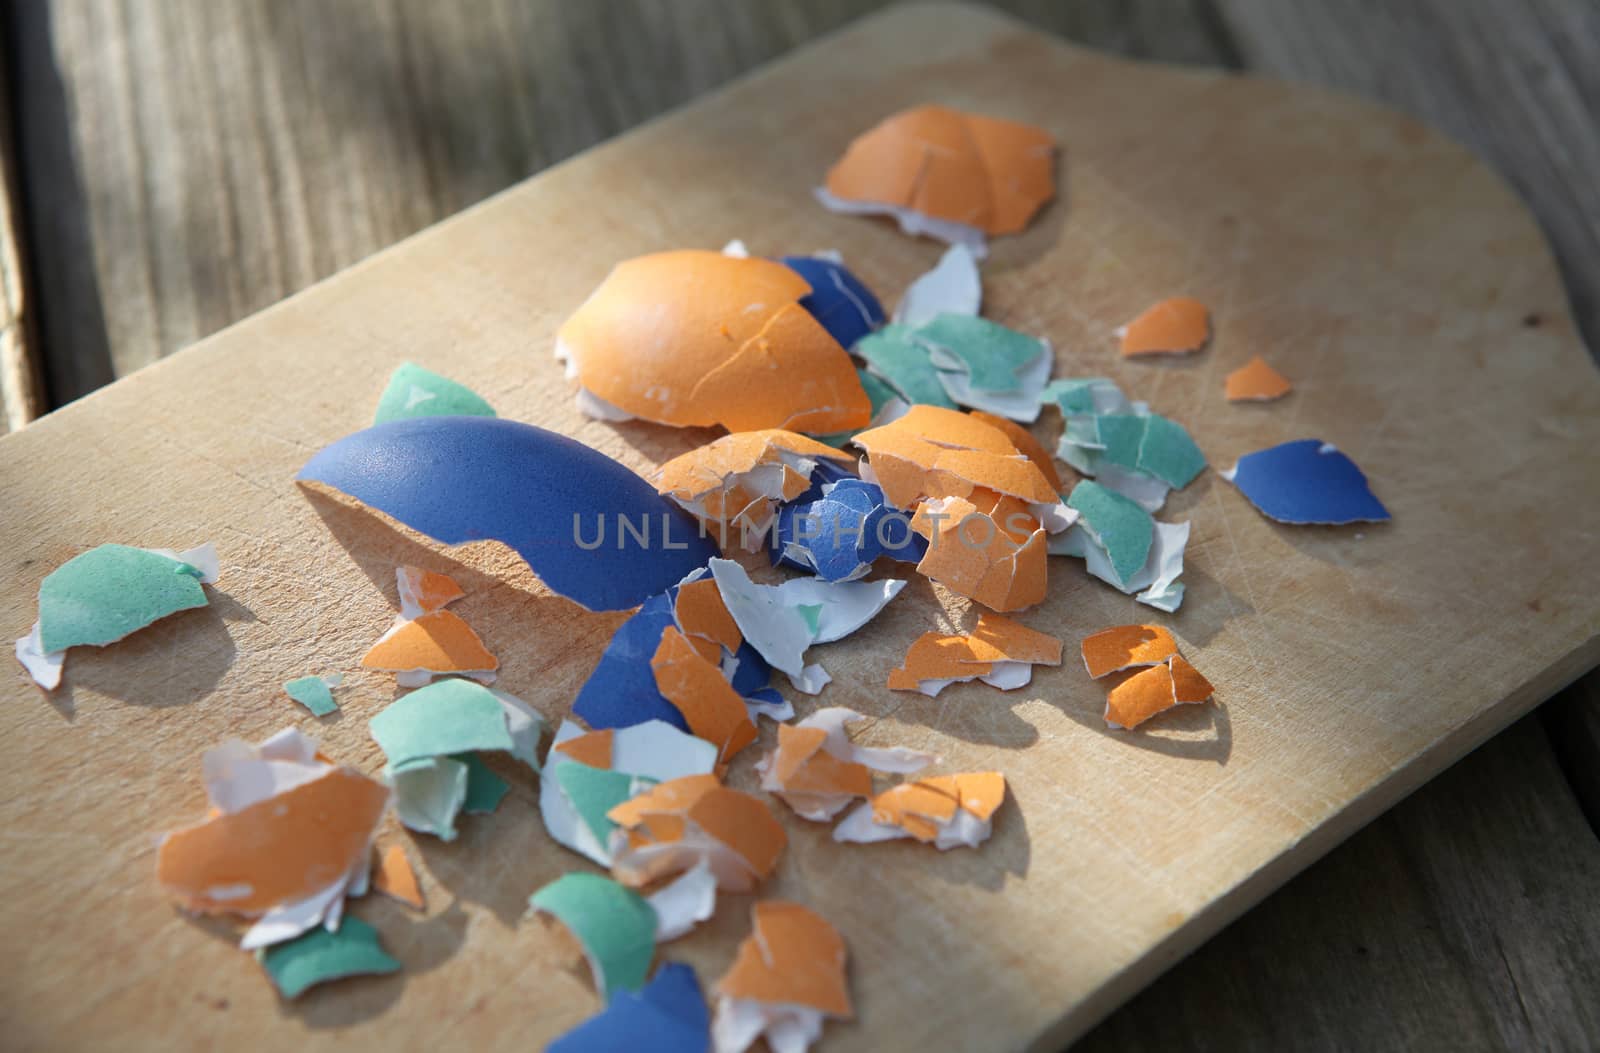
{"x":697,"y":338}
{"x":982,"y":172}
{"x":793,"y":957}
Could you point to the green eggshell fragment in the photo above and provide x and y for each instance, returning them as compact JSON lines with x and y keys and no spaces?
{"x":616,"y":926}
{"x":319,"y":956}
{"x":417,"y":392}
{"x":1123,"y":529}
{"x":313,"y":693}
{"x":110,"y":591}
{"x":993,"y":354}
{"x":895,"y":356}
{"x":485,"y":789}
{"x":593,"y":792}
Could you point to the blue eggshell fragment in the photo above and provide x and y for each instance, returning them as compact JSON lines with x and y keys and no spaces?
{"x":843,"y":531}
{"x":591,"y":529}
{"x":839,"y":300}
{"x":668,"y":1015}
{"x":622,"y":692}
{"x":1307,"y":481}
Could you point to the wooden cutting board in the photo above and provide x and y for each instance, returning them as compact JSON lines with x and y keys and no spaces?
{"x":1391,"y":275}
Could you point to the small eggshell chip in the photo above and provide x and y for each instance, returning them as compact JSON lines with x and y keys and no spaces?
{"x":1172,"y":327}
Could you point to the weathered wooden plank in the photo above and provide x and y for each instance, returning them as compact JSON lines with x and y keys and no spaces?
{"x":1518,"y":83}
{"x":1573,"y":721}
{"x":218,"y":156}
{"x":1316,"y":634}
{"x":21,"y":393}
{"x":290,"y":145}
{"x":1462,"y":919}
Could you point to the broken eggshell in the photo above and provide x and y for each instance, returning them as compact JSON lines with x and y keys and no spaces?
{"x":697,"y":338}
{"x":951,"y":175}
{"x":592,"y":530}
{"x":839,"y":300}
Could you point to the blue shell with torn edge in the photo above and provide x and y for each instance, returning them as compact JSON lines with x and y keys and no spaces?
{"x":558,"y":503}
{"x":622,"y":692}
{"x":1307,"y":481}
{"x":668,"y":1015}
{"x":839,"y":300}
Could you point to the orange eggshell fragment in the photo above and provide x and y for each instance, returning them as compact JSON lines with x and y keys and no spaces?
{"x":1177,"y":326}
{"x":395,"y":878}
{"x":801,"y":765}
{"x":1011,"y":474}
{"x":1188,"y":686}
{"x":796,"y":746}
{"x":695,"y":685}
{"x":972,"y":555}
{"x":673,"y":797}
{"x":793,"y":957}
{"x":981,"y":792}
{"x":982,"y":172}
{"x":439,"y":642}
{"x":949,"y":428}
{"x":739,"y":820}
{"x":1012,"y":641}
{"x":706,"y":468}
{"x":1255,"y":381}
{"x":744,"y":823}
{"x":1124,"y":646}
{"x":1025,"y":441}
{"x":592,"y":749}
{"x":1141,"y":696}
{"x":931,"y":798}
{"x":701,"y":338}
{"x":936,"y":656}
{"x":936,"y":452}
{"x":699,"y":611}
{"x":426,"y":590}
{"x":275,"y":851}
{"x":921,"y":807}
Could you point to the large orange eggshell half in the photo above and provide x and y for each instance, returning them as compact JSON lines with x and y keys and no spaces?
{"x":698,"y":338}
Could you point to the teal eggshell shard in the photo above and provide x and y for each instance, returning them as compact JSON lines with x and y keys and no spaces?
{"x":320,"y":956}
{"x":108,"y":592}
{"x":591,"y":529}
{"x":1122,"y":528}
{"x":417,"y":392}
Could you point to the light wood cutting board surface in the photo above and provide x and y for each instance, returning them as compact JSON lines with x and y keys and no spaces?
{"x":1382,"y":268}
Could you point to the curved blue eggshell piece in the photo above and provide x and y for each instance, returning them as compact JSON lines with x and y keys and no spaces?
{"x":1307,"y":481}
{"x":839,"y":300}
{"x":558,"y":503}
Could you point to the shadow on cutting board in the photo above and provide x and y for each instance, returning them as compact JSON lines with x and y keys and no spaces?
{"x":177,"y":660}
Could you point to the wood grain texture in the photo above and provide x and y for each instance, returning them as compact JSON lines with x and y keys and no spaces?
{"x":21,"y":387}
{"x":1294,"y":42}
{"x":1421,"y":932}
{"x":193,"y":161}
{"x":1303,"y":751}
{"x":1520,"y":85}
